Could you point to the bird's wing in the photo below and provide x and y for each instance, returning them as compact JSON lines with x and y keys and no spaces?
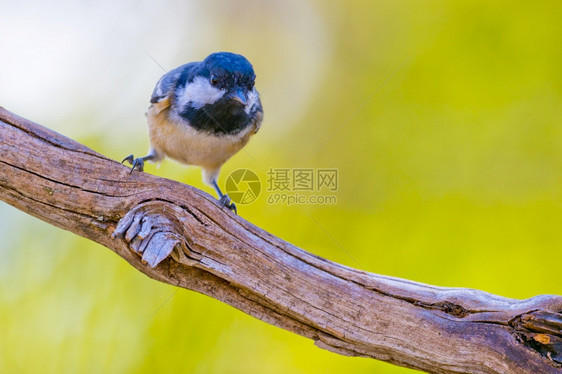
{"x":169,"y":81}
{"x":258,"y":117}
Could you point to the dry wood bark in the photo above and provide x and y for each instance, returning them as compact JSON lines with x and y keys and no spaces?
{"x":348,"y":311}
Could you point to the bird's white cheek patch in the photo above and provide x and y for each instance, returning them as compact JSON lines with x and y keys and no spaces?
{"x":199,"y":92}
{"x":253,"y":98}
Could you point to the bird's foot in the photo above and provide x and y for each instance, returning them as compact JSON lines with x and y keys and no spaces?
{"x":225,"y":201}
{"x":138,"y":163}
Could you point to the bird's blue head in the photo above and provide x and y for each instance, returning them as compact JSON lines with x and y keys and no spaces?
{"x":218,"y":94}
{"x":231,"y":72}
{"x":229,"y":63}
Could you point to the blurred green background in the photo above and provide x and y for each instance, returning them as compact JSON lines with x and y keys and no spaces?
{"x":442,"y":118}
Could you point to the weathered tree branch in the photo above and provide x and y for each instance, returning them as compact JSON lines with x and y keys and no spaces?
{"x":351,"y":312}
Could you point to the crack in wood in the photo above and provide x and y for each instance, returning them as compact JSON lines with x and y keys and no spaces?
{"x":542,"y":332}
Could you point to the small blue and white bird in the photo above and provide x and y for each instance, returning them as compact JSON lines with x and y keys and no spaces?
{"x":202,"y":113}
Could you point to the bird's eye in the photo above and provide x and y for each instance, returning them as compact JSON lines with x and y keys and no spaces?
{"x":214,"y":81}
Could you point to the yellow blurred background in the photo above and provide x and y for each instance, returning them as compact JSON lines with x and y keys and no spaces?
{"x":442,"y":118}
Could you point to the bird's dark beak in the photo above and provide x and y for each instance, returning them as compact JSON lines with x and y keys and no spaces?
{"x":239,"y":95}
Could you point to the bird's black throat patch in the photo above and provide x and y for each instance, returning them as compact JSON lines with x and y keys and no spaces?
{"x":224,"y":117}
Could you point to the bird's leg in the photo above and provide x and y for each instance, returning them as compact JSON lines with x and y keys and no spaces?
{"x":138,"y":163}
{"x":224,"y":199}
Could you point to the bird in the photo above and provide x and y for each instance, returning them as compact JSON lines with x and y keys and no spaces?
{"x":202,"y":113}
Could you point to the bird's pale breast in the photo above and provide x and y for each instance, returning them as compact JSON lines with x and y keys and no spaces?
{"x":185,"y":144}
